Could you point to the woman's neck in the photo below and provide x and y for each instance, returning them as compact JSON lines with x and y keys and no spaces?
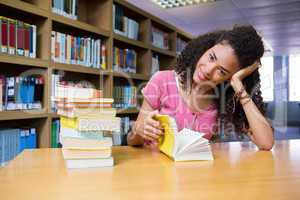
{"x":198,"y":98}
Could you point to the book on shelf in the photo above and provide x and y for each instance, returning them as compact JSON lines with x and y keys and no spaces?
{"x":14,"y":140}
{"x":180,"y":45}
{"x":124,"y":60}
{"x":85,"y":51}
{"x":159,"y":38}
{"x":155,"y":64}
{"x":55,"y":130}
{"x":121,"y":138}
{"x":123,"y":25}
{"x":21,"y":93}
{"x":125,"y":96}
{"x":17,"y":37}
{"x":66,"y":8}
{"x":184,"y":145}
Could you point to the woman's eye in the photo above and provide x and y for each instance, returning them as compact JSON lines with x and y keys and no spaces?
{"x":211,"y":58}
{"x":222,"y":72}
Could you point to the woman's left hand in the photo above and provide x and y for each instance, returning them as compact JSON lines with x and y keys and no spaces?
{"x":236,"y":79}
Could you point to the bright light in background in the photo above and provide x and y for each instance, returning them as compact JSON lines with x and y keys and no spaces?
{"x":266,"y":76}
{"x":294,"y":77}
{"x":179,"y":3}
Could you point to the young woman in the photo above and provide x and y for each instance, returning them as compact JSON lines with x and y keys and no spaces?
{"x":215,"y":79}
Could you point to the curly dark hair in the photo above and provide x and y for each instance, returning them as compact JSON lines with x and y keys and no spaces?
{"x":248,"y":48}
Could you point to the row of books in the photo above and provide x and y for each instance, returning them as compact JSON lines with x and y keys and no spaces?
{"x":125,"y":96}
{"x":180,"y":45}
{"x":17,"y":37}
{"x":124,"y":60}
{"x":67,"y":8}
{"x":21,"y":93}
{"x":14,"y":141}
{"x":159,"y":38}
{"x":154,"y":64}
{"x":86,"y":51}
{"x":124,"y":25}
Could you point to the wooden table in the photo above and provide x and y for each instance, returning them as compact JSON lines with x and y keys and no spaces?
{"x":239,"y":171}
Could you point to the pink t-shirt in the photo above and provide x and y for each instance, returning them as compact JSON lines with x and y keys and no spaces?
{"x":162,"y":93}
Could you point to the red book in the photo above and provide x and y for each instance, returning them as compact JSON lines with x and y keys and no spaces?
{"x":20,"y":38}
{"x":4,"y":37}
{"x":26,"y":39}
{"x":12,"y":36}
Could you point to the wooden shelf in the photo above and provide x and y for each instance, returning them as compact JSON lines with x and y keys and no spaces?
{"x":131,"y":75}
{"x":21,"y":60}
{"x":127,"y":111}
{"x":26,"y":114}
{"x":79,"y":25}
{"x":163,"y":51}
{"x":78,"y":68}
{"x":95,"y":20}
{"x":129,"y":41}
{"x":54,"y":115}
{"x":26,"y":7}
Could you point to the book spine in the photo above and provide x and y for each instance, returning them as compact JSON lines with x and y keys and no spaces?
{"x":4,"y":35}
{"x":26,"y":39}
{"x":12,"y":36}
{"x":20,"y":38}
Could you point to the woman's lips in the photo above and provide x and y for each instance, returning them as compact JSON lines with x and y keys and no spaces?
{"x":201,"y":76}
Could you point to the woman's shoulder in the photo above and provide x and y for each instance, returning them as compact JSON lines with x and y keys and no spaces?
{"x":163,"y":75}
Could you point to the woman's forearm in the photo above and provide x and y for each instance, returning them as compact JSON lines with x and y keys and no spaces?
{"x":261,"y":131}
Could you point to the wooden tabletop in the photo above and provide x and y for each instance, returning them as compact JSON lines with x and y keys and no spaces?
{"x":239,"y":171}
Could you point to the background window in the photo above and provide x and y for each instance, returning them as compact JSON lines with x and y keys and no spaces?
{"x":266,"y":77}
{"x":294,"y":77}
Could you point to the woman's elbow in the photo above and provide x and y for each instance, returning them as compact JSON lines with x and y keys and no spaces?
{"x":266,"y":146}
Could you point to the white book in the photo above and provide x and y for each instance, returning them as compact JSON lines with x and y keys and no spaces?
{"x":185,"y":145}
{"x":53,"y":46}
{"x":89,"y":163}
{"x":68,"y":49}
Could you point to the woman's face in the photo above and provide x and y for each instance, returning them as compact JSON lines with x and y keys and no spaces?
{"x":216,"y":65}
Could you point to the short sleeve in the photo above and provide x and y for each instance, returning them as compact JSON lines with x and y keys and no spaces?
{"x":152,"y":92}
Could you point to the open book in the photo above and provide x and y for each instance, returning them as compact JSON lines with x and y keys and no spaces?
{"x":184,"y":145}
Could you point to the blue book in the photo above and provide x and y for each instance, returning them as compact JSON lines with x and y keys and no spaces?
{"x":22,"y":140}
{"x":31,"y":41}
{"x":32,"y":138}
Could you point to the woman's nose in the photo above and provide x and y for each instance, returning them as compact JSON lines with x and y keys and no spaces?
{"x":210,"y":69}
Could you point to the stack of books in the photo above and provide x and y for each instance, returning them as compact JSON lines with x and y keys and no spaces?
{"x":86,"y":124}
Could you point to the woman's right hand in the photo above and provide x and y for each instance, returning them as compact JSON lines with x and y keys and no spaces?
{"x":150,"y":129}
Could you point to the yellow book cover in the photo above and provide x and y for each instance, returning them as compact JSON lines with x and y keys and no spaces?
{"x":166,"y":143}
{"x":185,"y":145}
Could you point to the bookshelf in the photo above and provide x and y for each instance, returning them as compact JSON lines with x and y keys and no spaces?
{"x":95,"y":19}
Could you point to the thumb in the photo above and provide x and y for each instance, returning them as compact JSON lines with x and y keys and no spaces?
{"x":153,"y":113}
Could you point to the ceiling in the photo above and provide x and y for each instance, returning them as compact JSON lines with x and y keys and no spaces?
{"x":278,"y":21}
